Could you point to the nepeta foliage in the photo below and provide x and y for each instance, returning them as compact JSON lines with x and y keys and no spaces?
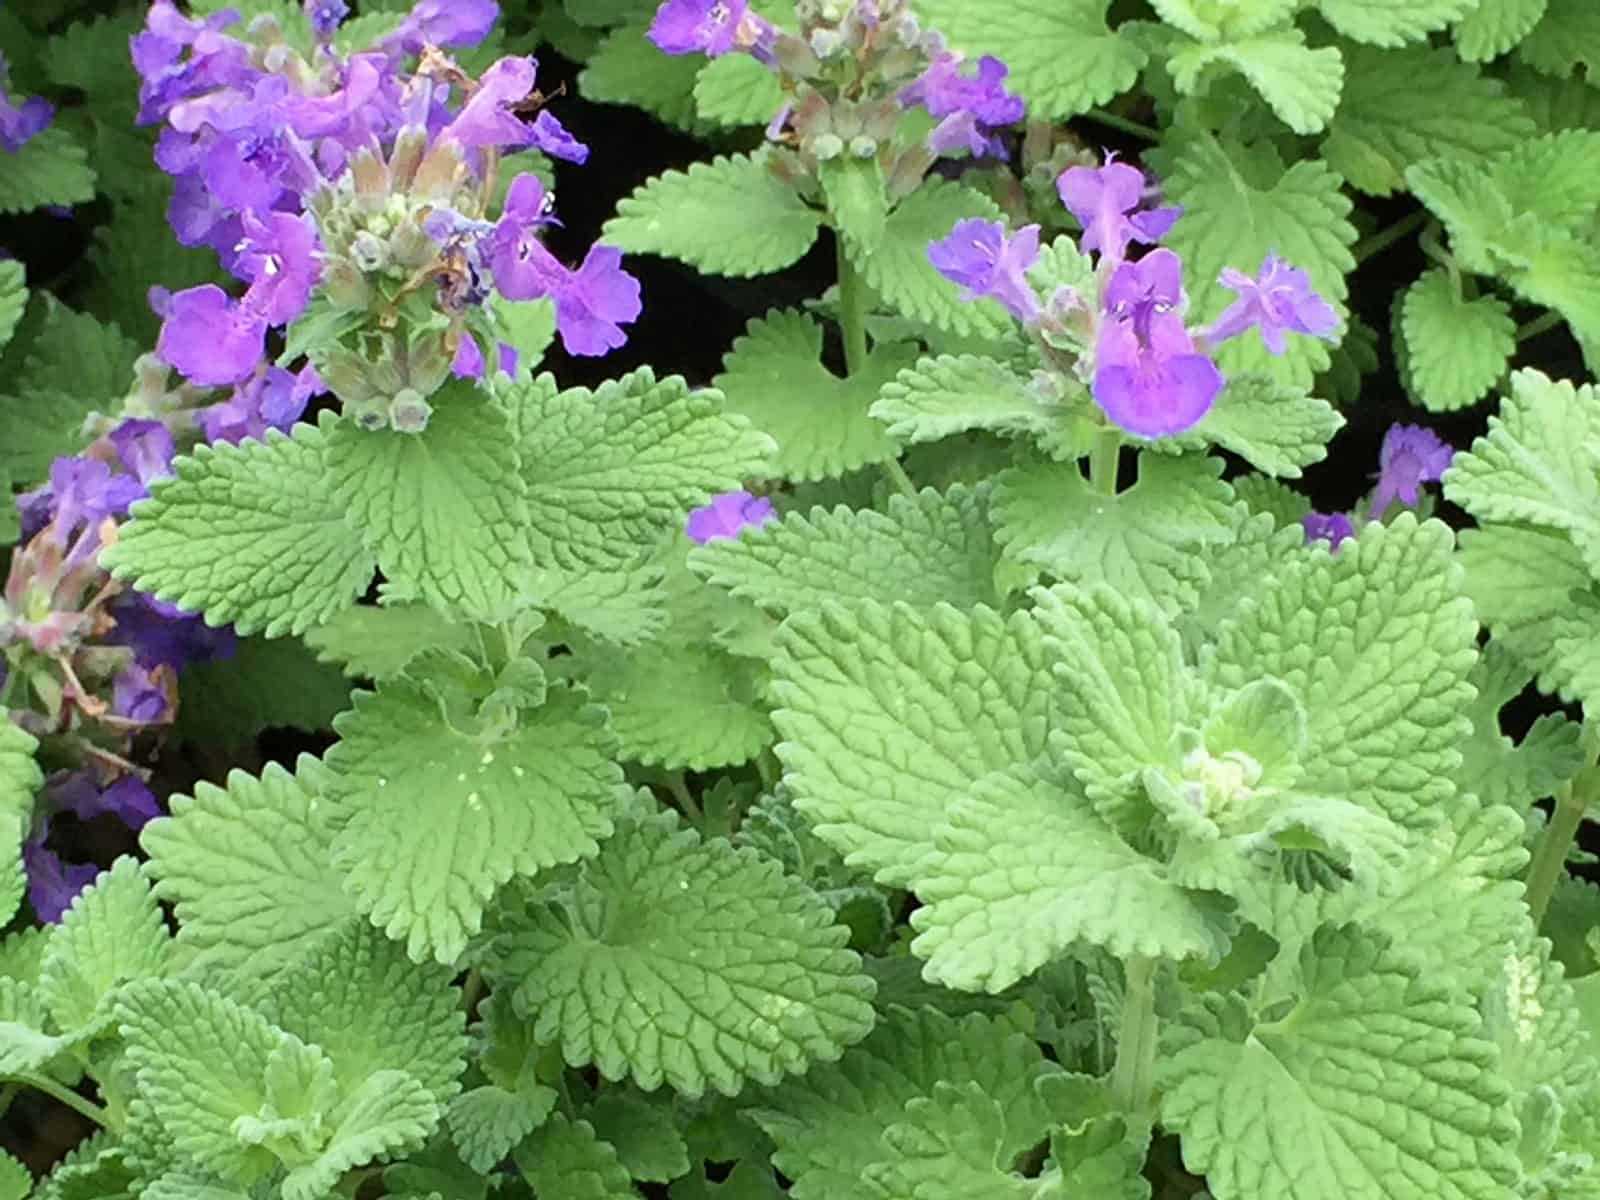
{"x":941,"y":754}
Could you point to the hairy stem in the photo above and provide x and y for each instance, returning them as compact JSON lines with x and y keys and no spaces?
{"x":853,"y":325}
{"x":1126,"y":125}
{"x":1384,"y":238}
{"x":1133,"y":1077}
{"x":1539,"y":324}
{"x":1104,"y":459}
{"x":1550,"y":859}
{"x":679,"y":787}
{"x":67,"y":1096}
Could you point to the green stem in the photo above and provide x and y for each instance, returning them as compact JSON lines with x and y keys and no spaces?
{"x":1126,"y":125}
{"x":1104,"y":458}
{"x":1550,"y":859}
{"x":1384,"y":238}
{"x":1133,"y":1077}
{"x":1533,"y":328}
{"x":853,"y":327}
{"x":471,"y":989}
{"x":686,"y":802}
{"x":68,"y":1097}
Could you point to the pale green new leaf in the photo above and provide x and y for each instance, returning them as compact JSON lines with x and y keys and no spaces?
{"x":953,"y":394}
{"x":250,"y":535}
{"x":24,"y":1046}
{"x":674,"y":960}
{"x":898,"y":270}
{"x":731,"y":216}
{"x":1275,"y":427}
{"x":1455,"y":349}
{"x":1566,"y":36}
{"x":1301,"y":85}
{"x":1208,"y":22}
{"x":488,"y":1122}
{"x":50,"y":168}
{"x":1023,"y":870}
{"x":608,"y":472}
{"x":1063,"y":56}
{"x":376,"y":642}
{"x":1495,"y":26}
{"x":774,"y":378}
{"x":442,"y":510}
{"x":1384,"y":23}
{"x":735,"y":90}
{"x":1400,"y":107}
{"x":1145,"y":541}
{"x":1240,"y":206}
{"x":113,"y":933}
{"x":1311,"y":1107}
{"x":923,"y":551}
{"x":830,"y":1125}
{"x":889,"y":715}
{"x":564,"y":1158}
{"x":1384,"y":704}
{"x":248,"y":871}
{"x":1474,"y":210}
{"x":389,"y":1115}
{"x":948,"y":1146}
{"x":13,"y":298}
{"x":370,"y":1008}
{"x":1498,"y":770}
{"x":435,"y":818}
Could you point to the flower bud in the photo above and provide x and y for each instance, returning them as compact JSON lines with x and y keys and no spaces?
{"x":344,"y":284}
{"x":409,"y":412}
{"x":369,"y":252}
{"x":826,"y":146}
{"x":825,"y":43}
{"x":862,"y":146}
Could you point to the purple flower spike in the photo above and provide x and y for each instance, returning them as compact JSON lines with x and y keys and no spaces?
{"x":969,"y":106}
{"x":145,"y":448}
{"x":1332,"y":528}
{"x":727,"y":515}
{"x":983,"y":260}
{"x":1105,"y":200}
{"x":697,"y":26}
{"x":1278,"y":299}
{"x":485,"y":120}
{"x":209,"y":338}
{"x":1411,"y":455}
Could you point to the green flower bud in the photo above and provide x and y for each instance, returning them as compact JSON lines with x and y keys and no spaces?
{"x":369,"y":252}
{"x":862,"y":146}
{"x":825,"y":43}
{"x":826,"y":146}
{"x":409,"y":412}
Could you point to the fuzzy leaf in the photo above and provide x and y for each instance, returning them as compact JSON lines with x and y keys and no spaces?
{"x":830,"y":1125}
{"x":731,"y":216}
{"x":949,"y":1146}
{"x":20,"y":781}
{"x":251,"y":535}
{"x":13,"y":298}
{"x":1495,"y":26}
{"x":1456,"y":349}
{"x":626,"y":68}
{"x":1145,"y":541}
{"x":435,"y":818}
{"x":1063,"y":56}
{"x":248,"y":871}
{"x":923,"y":551}
{"x":674,"y":960}
{"x":1566,"y":36}
{"x":1273,"y":426}
{"x":113,"y":933}
{"x":736,"y":90}
{"x":854,"y":189}
{"x":488,"y":1122}
{"x":644,"y":1135}
{"x":266,"y":684}
{"x":1498,"y":770}
{"x":774,"y":379}
{"x":50,"y":168}
{"x":376,"y":642}
{"x":391,"y":1114}
{"x":1309,"y":1107}
{"x":889,"y":715}
{"x":956,"y":393}
{"x":1380,"y":23}
{"x":564,"y":1158}
{"x":1299,"y":84}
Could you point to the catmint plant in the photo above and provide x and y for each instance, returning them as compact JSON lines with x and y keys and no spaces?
{"x":1091,"y":701}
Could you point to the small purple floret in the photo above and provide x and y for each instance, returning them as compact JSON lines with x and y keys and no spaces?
{"x":697,"y":26}
{"x":727,"y":515}
{"x":985,"y":262}
{"x":1332,"y":528}
{"x":969,"y":106}
{"x":1106,"y":200}
{"x":1279,"y":299}
{"x":1410,"y":456}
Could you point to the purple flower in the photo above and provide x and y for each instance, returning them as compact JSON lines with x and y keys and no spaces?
{"x":444,"y":23}
{"x":985,"y":262}
{"x":209,"y":338}
{"x":969,"y":106}
{"x":272,"y":399}
{"x":703,"y":26}
{"x":468,"y":362}
{"x":551,"y":136}
{"x":1332,"y":528}
{"x":52,"y":883}
{"x":279,"y":255}
{"x":727,"y":515}
{"x":1149,"y":378}
{"x":21,"y":123}
{"x":484,"y":120}
{"x":159,"y":633}
{"x":215,"y":61}
{"x":1105,"y":200}
{"x":326,"y":16}
{"x":1410,"y":456}
{"x":143,"y":695}
{"x":145,"y":448}
{"x":1279,"y":298}
{"x":84,"y":492}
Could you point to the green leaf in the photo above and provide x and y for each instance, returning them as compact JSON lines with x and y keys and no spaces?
{"x":1456,"y":349}
{"x":1495,"y":26}
{"x":357,"y":996}
{"x":1207,"y":22}
{"x":248,"y":871}
{"x":1523,"y":583}
{"x":1474,"y":210}
{"x":1538,"y":462}
{"x":1400,"y":107}
{"x":1498,"y":770}
{"x":953,"y":394}
{"x":1262,"y":539}
{"x":113,"y":933}
{"x":889,"y":715}
{"x":773,"y":377}
{"x":1567,"y":36}
{"x":1554,"y":104}
{"x":20,"y":781}
{"x":736,"y":90}
{"x":564,"y":1158}
{"x":949,"y":1145}
{"x":924,"y":551}
{"x":1385,"y":709}
{"x":251,"y":535}
{"x":679,"y":707}
{"x":1380,"y":23}
{"x":265,"y":685}
{"x":626,"y":68}
{"x":1275,"y":427}
{"x":390,"y":1115}
{"x":436,"y":817}
{"x":16,"y":1181}
{"x":857,"y":203}
{"x":442,"y":510}
{"x":645,"y":1138}
{"x":1022,"y":870}
{"x":24,"y":1047}
{"x":13,"y":298}
{"x":1063,"y":56}
{"x":1145,"y":541}
{"x":899,"y":270}
{"x":488,"y":1122}
{"x":377,"y":641}
{"x":1310,"y":1106}
{"x":1299,"y":84}
{"x":731,"y":216}
{"x":51,"y":168}
{"x":610,"y":471}
{"x":674,"y":960}
{"x":830,"y":1125}
{"x":1237,"y":209}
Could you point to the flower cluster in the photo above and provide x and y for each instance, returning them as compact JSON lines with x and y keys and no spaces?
{"x":19,"y":123}
{"x":727,"y":516}
{"x":1411,"y":455}
{"x":352,"y":189}
{"x":1152,"y":375}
